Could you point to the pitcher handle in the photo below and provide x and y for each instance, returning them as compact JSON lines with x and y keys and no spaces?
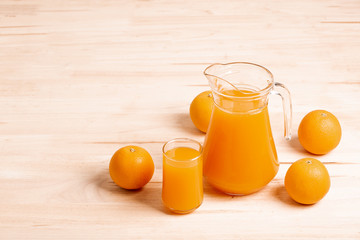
{"x":283,"y":92}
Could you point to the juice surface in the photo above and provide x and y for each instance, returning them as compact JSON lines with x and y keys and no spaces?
{"x":182,"y":180}
{"x":239,"y":151}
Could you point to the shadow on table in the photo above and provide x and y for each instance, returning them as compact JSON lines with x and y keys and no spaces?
{"x":296,"y":145}
{"x":149,"y":195}
{"x":280,"y":193}
{"x":213,"y":192}
{"x":183,"y":120}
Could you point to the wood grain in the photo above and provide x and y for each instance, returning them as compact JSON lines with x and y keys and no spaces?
{"x":79,"y":79}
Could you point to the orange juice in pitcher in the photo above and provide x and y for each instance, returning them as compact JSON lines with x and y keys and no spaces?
{"x":239,"y":151}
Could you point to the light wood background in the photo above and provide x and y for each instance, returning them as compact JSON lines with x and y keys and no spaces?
{"x":80,"y":79}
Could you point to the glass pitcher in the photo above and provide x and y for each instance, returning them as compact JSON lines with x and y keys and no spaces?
{"x":239,"y":151}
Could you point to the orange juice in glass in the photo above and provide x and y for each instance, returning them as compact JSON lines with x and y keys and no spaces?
{"x":239,"y":151}
{"x":182,"y":190}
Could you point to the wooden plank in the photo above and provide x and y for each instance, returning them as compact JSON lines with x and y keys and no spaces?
{"x":79,"y":79}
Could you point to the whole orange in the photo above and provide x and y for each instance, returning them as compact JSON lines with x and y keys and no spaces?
{"x":131,"y":167}
{"x":201,"y":109}
{"x":307,"y":181}
{"x":319,"y":132}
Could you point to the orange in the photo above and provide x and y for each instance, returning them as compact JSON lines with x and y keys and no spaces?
{"x":307,"y":181}
{"x":319,"y":132}
{"x":201,"y":109}
{"x":131,"y":167}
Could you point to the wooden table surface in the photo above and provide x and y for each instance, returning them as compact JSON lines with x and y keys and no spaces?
{"x":80,"y":79}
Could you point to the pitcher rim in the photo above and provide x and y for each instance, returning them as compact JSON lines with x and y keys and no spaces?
{"x":261,"y":92}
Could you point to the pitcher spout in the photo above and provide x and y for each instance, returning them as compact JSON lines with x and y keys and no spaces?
{"x":243,"y":87}
{"x":239,"y":75}
{"x":239,"y":87}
